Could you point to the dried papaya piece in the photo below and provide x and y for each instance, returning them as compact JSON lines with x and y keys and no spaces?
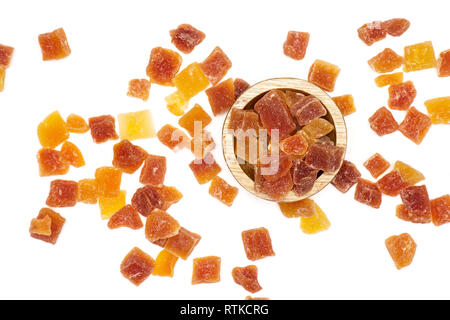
{"x":345,"y":103}
{"x":346,"y":177}
{"x":176,"y":103}
{"x":146,"y":199}
{"x":125,"y":217}
{"x":51,"y":163}
{"x":240,"y":86}
{"x":160,"y":225}
{"x":128,"y":157}
{"x":6,"y":54}
{"x":136,"y":125}
{"x":222,"y":191}
{"x":324,"y":74}
{"x":190,"y":81}
{"x":257,"y":244}
{"x":173,"y":138}
{"x":87,"y":191}
{"x":402,"y":249}
{"x":221,"y":96}
{"x":419,"y":57}
{"x":165,"y":264}
{"x":205,"y":169}
{"x":392,"y":183}
{"x":76,"y":124}
{"x":54,"y":45}
{"x":443,"y":64}
{"x":185,"y":37}
{"x":57,"y":223}
{"x":296,"y":44}
{"x":163,"y":66}
{"x":415,"y":125}
{"x":383,"y":122}
{"x":108,"y":181}
{"x":194,"y":116}
{"x":439,"y":110}
{"x":137,"y":266}
{"x":296,"y":209}
{"x":154,"y":170}
{"x":376,"y":165}
{"x":389,"y":79}
{"x":395,"y":27}
{"x":52,"y":131}
{"x":316,"y":223}
{"x":110,"y":205}
{"x":169,"y":196}
{"x":182,"y":244}
{"x":206,"y":270}
{"x":372,"y":32}
{"x":72,"y":155}
{"x":139,"y":88}
{"x":440,"y":210}
{"x":103,"y":128}
{"x":216,"y":65}
{"x":408,"y":173}
{"x":247,"y":277}
{"x":42,"y":227}
{"x":368,"y":193}
{"x":63,"y":193}
{"x":402,"y":95}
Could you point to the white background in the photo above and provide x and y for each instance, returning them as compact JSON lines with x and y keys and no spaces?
{"x":111,"y":43}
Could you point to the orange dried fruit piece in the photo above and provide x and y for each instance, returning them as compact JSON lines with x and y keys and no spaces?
{"x":103,"y":128}
{"x":42,"y":227}
{"x":222,"y":191}
{"x":275,"y":165}
{"x":216,"y":65}
{"x":125,"y":217}
{"x":377,"y":165}
{"x":173,"y":138}
{"x":257,"y":244}
{"x":295,"y":145}
{"x":296,"y":209}
{"x":63,"y":193}
{"x":139,"y":88}
{"x":389,"y":79}
{"x":163,"y":66}
{"x":386,"y":61}
{"x":185,"y":37}
{"x":57,"y":223}
{"x":416,"y":200}
{"x":190,"y":81}
{"x":72,"y":155}
{"x":247,"y":277}
{"x":146,"y":199}
{"x":242,"y":121}
{"x":54,"y":45}
{"x":324,"y":74}
{"x":153,"y":171}
{"x":169,"y":196}
{"x":2,"y":78}
{"x":206,"y":270}
{"x":346,"y":177}
{"x":51,"y":163}
{"x":182,"y":244}
{"x":160,"y":225}
{"x":165,"y":264}
{"x":221,"y":96}
{"x":440,"y":210}
{"x":402,"y":95}
{"x":136,"y":125}
{"x":87,"y":191}
{"x":408,"y":173}
{"x":296,"y":44}
{"x":128,"y":157}
{"x":392,"y":183}
{"x":316,"y":223}
{"x":402,"y":249}
{"x":324,"y":157}
{"x":240,"y":86}
{"x":368,"y":193}
{"x":194,"y":116}
{"x":292,"y":97}
{"x":205,"y":169}
{"x":52,"y":131}
{"x":443,"y":64}
{"x":108,"y":181}
{"x":306,"y":109}
{"x":137,"y":266}
{"x":76,"y":124}
{"x":109,"y":206}
{"x":415,"y":125}
{"x":414,"y":217}
{"x":345,"y":103}
{"x":419,"y":57}
{"x":439,"y":110}
{"x":318,"y":128}
{"x":395,"y":27}
{"x":304,"y":177}
{"x":383,"y":122}
{"x":372,"y":32}
{"x":6,"y":54}
{"x":202,"y":144}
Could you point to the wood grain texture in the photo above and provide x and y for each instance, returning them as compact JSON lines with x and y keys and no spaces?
{"x":246,"y":101}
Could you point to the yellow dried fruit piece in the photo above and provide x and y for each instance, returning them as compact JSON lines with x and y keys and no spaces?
{"x":176,"y":103}
{"x":408,"y":173}
{"x":164,"y":264}
{"x":303,"y":208}
{"x":109,"y":206}
{"x":439,"y":110}
{"x":136,"y":125}
{"x":389,"y":79}
{"x":317,"y":128}
{"x":52,"y":131}
{"x":315,"y":224}
{"x":191,"y":80}
{"x":2,"y":78}
{"x":419,"y":56}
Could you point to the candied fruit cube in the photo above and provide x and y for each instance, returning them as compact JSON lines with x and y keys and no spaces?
{"x":419,"y":57}
{"x":76,"y":124}
{"x":139,"y":88}
{"x":295,"y":145}
{"x":247,"y":277}
{"x":160,"y":225}
{"x":324,"y":74}
{"x":222,"y":191}
{"x":108,"y":181}
{"x":221,"y":96}
{"x":296,"y":209}
{"x":439,"y":110}
{"x":402,"y":249}
{"x":416,"y":200}
{"x":63,"y":193}
{"x":202,"y":144}
{"x":176,"y":103}
{"x":153,"y":171}
{"x":216,"y":65}
{"x":443,"y":64}
{"x":242,"y":121}
{"x":125,"y":217}
{"x":391,"y":183}
{"x":136,"y":125}
{"x":383,"y":122}
{"x":57,"y":223}
{"x":316,"y":223}
{"x":72,"y":155}
{"x":173,"y":138}
{"x":345,"y":103}
{"x":240,"y":86}
{"x":205,"y":169}
{"x":128,"y":157}
{"x":103,"y":128}
{"x":52,"y":131}
{"x":2,"y":78}
{"x":54,"y":45}
{"x":163,"y":66}
{"x":296,"y":44}
{"x":389,"y":79}
{"x":292,"y":97}
{"x":409,"y":174}
{"x":386,"y":61}
{"x":51,"y":163}
{"x":415,"y":125}
{"x":182,"y":244}
{"x":324,"y":157}
{"x":87,"y":191}
{"x":257,"y":244}
{"x":318,"y":128}
{"x":190,"y":81}
{"x":376,"y":165}
{"x":368,"y":193}
{"x":440,"y":210}
{"x":6,"y":54}
{"x":165,"y":264}
{"x":42,"y":227}
{"x":395,"y":27}
{"x":206,"y":270}
{"x":402,"y":95}
{"x":169,"y":196}
{"x":304,"y":177}
{"x":109,"y":206}
{"x":306,"y":109}
{"x":194,"y":116}
{"x":275,"y":165}
{"x":346,"y":177}
{"x":185,"y":37}
{"x":372,"y":32}
{"x":137,"y":266}
{"x":414,"y":217}
{"x":146,"y":199}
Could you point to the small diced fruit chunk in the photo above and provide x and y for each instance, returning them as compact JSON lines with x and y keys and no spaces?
{"x":153,"y":171}
{"x":163,"y":66}
{"x":173,"y":138}
{"x":443,"y":64}
{"x":391,"y":183}
{"x":146,"y":199}
{"x":108,"y":181}
{"x":275,"y":165}
{"x":195,"y":116}
{"x":52,"y":131}
{"x":109,"y":206}
{"x":185,"y":37}
{"x":324,"y":157}
{"x":372,"y":32}
{"x":257,"y":244}
{"x":136,"y":125}
{"x":415,"y":125}
{"x":87,"y":191}
{"x":402,"y":95}
{"x":296,"y":209}
{"x":440,"y":210}
{"x":346,"y":177}
{"x":402,"y":249}
{"x":295,"y":145}
{"x":63,"y":193}
{"x":415,"y":199}
{"x":296,"y":44}
{"x":72,"y":155}
{"x":165,"y":264}
{"x":6,"y":54}
{"x":103,"y":128}
{"x":221,"y":96}
{"x":316,"y":223}
{"x":324,"y":75}
{"x":76,"y":124}
{"x":137,"y":266}
{"x":439,"y":110}
{"x":318,"y":128}
{"x":190,"y":81}
{"x":216,"y":65}
{"x":383,"y":122}
{"x":182,"y":244}
{"x":240,"y":86}
{"x":222,"y":191}
{"x":414,"y":217}
{"x":42,"y":227}
{"x":126,"y":217}
{"x":408,"y":173}
{"x":139,"y":88}
{"x":206,"y":270}
{"x":419,"y":57}
{"x":51,"y":163}
{"x":389,"y":79}
{"x":205,"y":169}
{"x":57,"y":223}
{"x":304,"y":177}
{"x":278,"y":189}
{"x":376,"y":165}
{"x":368,"y":193}
{"x":386,"y":61}
{"x":169,"y":196}
{"x":395,"y":27}
{"x":128,"y":157}
{"x":247,"y":277}
{"x":176,"y":103}
{"x":345,"y":103}
{"x":54,"y":45}
{"x":160,"y":225}
{"x":306,"y":109}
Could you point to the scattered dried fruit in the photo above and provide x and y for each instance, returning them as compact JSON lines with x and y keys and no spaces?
{"x":440,"y":210}
{"x":402,"y":95}
{"x":415,"y":125}
{"x":402,"y":249}
{"x":146,"y":199}
{"x":72,"y":155}
{"x":376,"y":165}
{"x":409,"y":174}
{"x":221,"y":96}
{"x":239,"y":87}
{"x":257,"y":244}
{"x":54,"y":45}
{"x":383,"y":122}
{"x":386,"y":61}
{"x":185,"y":37}
{"x":153,"y":171}
{"x":216,"y":65}
{"x":346,"y":177}
{"x":165,"y":264}
{"x":419,"y":57}
{"x":52,"y":131}
{"x":57,"y":223}
{"x":128,"y":157}
{"x":324,"y":157}
{"x":247,"y":277}
{"x":222,"y":191}
{"x":368,"y":193}
{"x":136,"y":125}
{"x":182,"y":244}
{"x":392,"y":183}
{"x":108,"y":181}
{"x":190,"y":81}
{"x":317,"y":223}
{"x":323,"y":74}
{"x":389,"y":79}
{"x":6,"y":54}
{"x":206,"y":270}
{"x":443,"y":64}
{"x":51,"y":163}
{"x":372,"y":32}
{"x":173,"y":138}
{"x":163,"y":66}
{"x":87,"y":191}
{"x":137,"y":266}
{"x":302,"y":208}
{"x":160,"y":225}
{"x":395,"y":27}
{"x":346,"y":104}
{"x":139,"y":88}
{"x":103,"y":128}
{"x":63,"y":193}
{"x":296,"y":44}
{"x":439,"y":110}
{"x":126,"y":217}
{"x":76,"y":124}
{"x":109,"y":206}
{"x":205,"y":169}
{"x":194,"y":116}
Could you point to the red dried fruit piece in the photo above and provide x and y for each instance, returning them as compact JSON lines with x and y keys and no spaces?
{"x":125,"y":217}
{"x":376,"y":165}
{"x":169,"y":196}
{"x":163,"y":66}
{"x":239,"y":87}
{"x":383,"y":122}
{"x":324,"y":74}
{"x":296,"y":44}
{"x":42,"y":227}
{"x":51,"y":163}
{"x":173,"y":138}
{"x":153,"y":171}
{"x":402,"y":95}
{"x":185,"y":37}
{"x":222,"y":191}
{"x":139,"y":88}
{"x":440,"y":210}
{"x":372,"y":32}
{"x":295,"y":145}
{"x":303,"y":208}
{"x":416,"y":200}
{"x":54,"y":45}
{"x":108,"y":181}
{"x":57,"y":223}
{"x":194,"y":116}
{"x":368,"y":193}
{"x":221,"y":97}
{"x":247,"y":277}
{"x":87,"y":191}
{"x":391,"y":183}
{"x":306,"y":109}
{"x":216,"y":65}
{"x":275,"y":165}
{"x":160,"y":225}
{"x":395,"y":27}
{"x":346,"y":177}
{"x":386,"y":61}
{"x":206,"y":270}
{"x":128,"y":157}
{"x":103,"y":128}
{"x":274,"y":115}
{"x":402,"y":249}
{"x":6,"y":54}
{"x":146,"y":199}
{"x":205,"y":169}
{"x":443,"y":64}
{"x":72,"y":155}
{"x":76,"y":124}
{"x":63,"y":193}
{"x":304,"y":177}
{"x":415,"y":125}
{"x":257,"y":244}
{"x":182,"y":244}
{"x":414,"y":217}
{"x":278,"y":189}
{"x":137,"y":266}
{"x":345,"y":103}
{"x":324,"y":157}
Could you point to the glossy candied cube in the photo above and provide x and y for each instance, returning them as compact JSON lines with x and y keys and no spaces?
{"x":303,"y":177}
{"x":391,"y":183}
{"x":176,"y":103}
{"x":222,"y":191}
{"x":2,"y":78}
{"x":153,"y":171}
{"x":372,"y":32}
{"x":128,"y":157}
{"x":389,"y":79}
{"x":376,"y":165}
{"x":383,"y":122}
{"x":419,"y":57}
{"x":221,"y":96}
{"x":136,"y":125}
{"x":108,"y":181}
{"x":439,"y":110}
{"x":42,"y":227}
{"x":163,"y":66}
{"x":402,"y":249}
{"x":146,"y":199}
{"x":415,"y":125}
{"x":57,"y":223}
{"x":190,"y":81}
{"x":346,"y":177}
{"x":368,"y":193}
{"x":295,"y":145}
{"x":345,"y":103}
{"x":76,"y":124}
{"x":52,"y":131}
{"x":72,"y":155}
{"x":137,"y":266}
{"x":6,"y":54}
{"x":182,"y":244}
{"x":127,"y":217}
{"x":139,"y":88}
{"x":317,"y":223}
{"x":63,"y":193}
{"x":242,"y":121}
{"x":395,"y":27}
{"x":247,"y":277}
{"x":206,"y":270}
{"x":415,"y":199}
{"x":103,"y":128}
{"x":306,"y":109}
{"x":324,"y":157}
{"x":413,"y":217}
{"x":443,"y":64}
{"x":87,"y":191}
{"x":257,"y":244}
{"x":296,"y":209}
{"x":323,"y":74}
{"x":386,"y":61}
{"x":296,"y":44}
{"x":318,"y":128}
{"x":173,"y":138}
{"x":205,"y":169}
{"x":51,"y":163}
{"x":185,"y":37}
{"x":440,"y":210}
{"x":408,"y":173}
{"x":216,"y":65}
{"x":240,"y":86}
{"x":402,"y":95}
{"x":292,"y":97}
{"x":195,"y":116}
{"x":169,"y":196}
{"x":109,"y":206}
{"x":160,"y":225}
{"x":165,"y":264}
{"x":54,"y":45}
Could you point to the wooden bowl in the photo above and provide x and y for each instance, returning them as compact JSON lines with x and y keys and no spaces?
{"x":243,"y":172}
